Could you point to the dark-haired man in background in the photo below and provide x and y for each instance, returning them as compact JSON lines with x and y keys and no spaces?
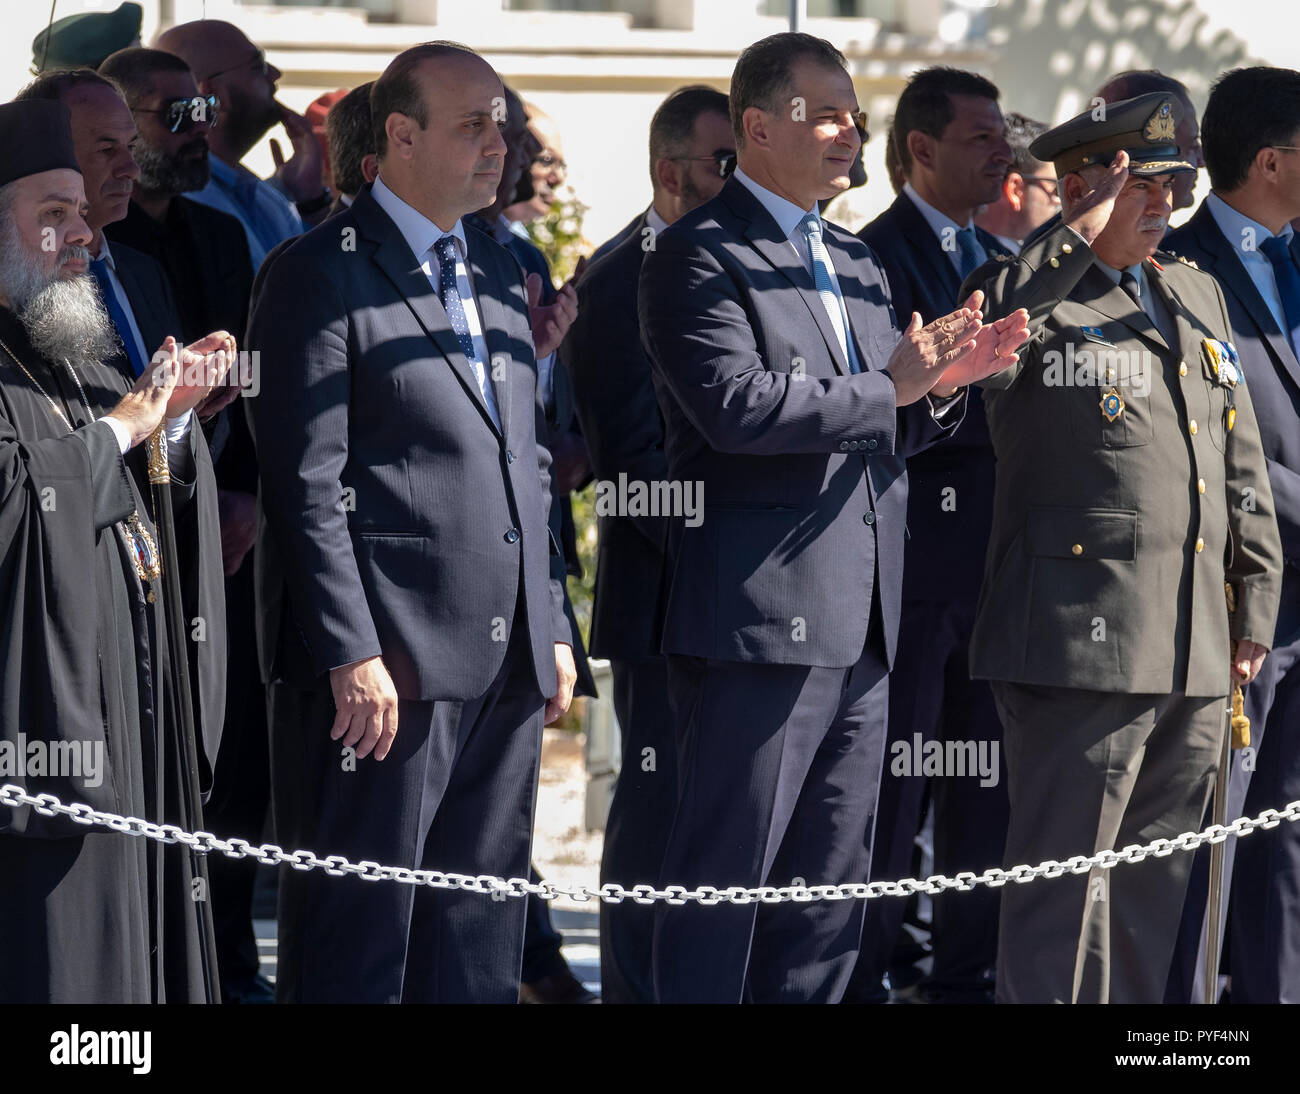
{"x":1242,"y":235}
{"x":949,"y":133}
{"x":351,"y":138}
{"x":790,"y":400}
{"x":692,"y":149}
{"x":1028,"y":196}
{"x":205,"y":255}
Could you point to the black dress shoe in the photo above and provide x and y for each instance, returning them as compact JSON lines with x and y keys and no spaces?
{"x":560,"y":987}
{"x":258,"y":990}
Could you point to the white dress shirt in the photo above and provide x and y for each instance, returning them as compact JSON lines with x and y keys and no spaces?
{"x":421,"y":234}
{"x":941,"y":222}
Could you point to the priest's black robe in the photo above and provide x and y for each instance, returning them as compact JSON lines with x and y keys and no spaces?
{"x":88,"y":914}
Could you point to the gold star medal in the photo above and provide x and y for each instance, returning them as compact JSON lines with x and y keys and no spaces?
{"x":1112,"y":405}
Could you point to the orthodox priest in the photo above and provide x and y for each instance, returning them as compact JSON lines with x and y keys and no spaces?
{"x":88,"y":708}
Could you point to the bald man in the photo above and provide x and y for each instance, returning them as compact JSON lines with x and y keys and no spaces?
{"x":226,"y":64}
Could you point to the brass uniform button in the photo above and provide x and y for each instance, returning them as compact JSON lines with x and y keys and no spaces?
{"x":1200,"y":545}
{"x":1200,"y":486}
{"x":1077,"y":549}
{"x":1182,"y":368}
{"x":1054,"y":262}
{"x":1066,"y":248}
{"x":1192,"y":427}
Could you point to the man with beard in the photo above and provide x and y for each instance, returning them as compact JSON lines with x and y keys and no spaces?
{"x":205,"y":255}
{"x":226,"y":64}
{"x":85,"y":652}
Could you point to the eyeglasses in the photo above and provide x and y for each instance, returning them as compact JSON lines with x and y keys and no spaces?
{"x":256,"y":63}
{"x":1285,"y":147}
{"x":1051,"y":187}
{"x":724,"y":158}
{"x":550,"y":162}
{"x":182,"y":115}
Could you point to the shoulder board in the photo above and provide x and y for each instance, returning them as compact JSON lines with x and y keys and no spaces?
{"x":1178,"y":258}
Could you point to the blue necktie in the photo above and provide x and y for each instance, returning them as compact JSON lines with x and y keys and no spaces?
{"x":1288,"y":283}
{"x":831,"y":300}
{"x":972,"y":254}
{"x":445,"y":249}
{"x":99,"y":270}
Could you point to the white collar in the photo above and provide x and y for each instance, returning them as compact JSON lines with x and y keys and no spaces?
{"x":417,"y":229}
{"x":938,"y":221}
{"x":1233,"y":223}
{"x":786,"y":213}
{"x":105,"y":253}
{"x":654,"y":221}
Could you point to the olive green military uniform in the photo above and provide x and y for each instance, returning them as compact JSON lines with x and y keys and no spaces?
{"x":1130,"y":485}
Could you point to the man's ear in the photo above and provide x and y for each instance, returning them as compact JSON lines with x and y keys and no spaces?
{"x":398,"y":128}
{"x":754,"y":122}
{"x":668,"y":173}
{"x":922,"y":148}
{"x":1013,"y":189}
{"x":370,"y":167}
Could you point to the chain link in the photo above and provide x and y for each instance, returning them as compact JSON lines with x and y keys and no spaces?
{"x":611,"y":893}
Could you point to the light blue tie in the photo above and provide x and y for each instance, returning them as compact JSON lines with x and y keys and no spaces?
{"x":972,"y":254}
{"x":445,"y":250}
{"x":831,"y":300}
{"x":99,"y":271}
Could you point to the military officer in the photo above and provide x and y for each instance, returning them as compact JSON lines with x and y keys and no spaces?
{"x":1131,"y":485}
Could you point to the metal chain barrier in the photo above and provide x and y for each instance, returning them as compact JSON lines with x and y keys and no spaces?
{"x":610,"y":893}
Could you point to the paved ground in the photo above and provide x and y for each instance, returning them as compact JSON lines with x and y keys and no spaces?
{"x":563,"y":852}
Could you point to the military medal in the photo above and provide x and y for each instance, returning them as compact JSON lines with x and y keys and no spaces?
{"x":139,"y":544}
{"x":1112,"y":405}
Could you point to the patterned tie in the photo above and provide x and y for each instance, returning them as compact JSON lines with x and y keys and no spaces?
{"x":1287,"y":276}
{"x":831,"y":300}
{"x":99,"y":270}
{"x":972,"y":254}
{"x":445,"y":250}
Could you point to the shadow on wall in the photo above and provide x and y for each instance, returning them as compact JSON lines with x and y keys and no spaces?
{"x":1053,"y":54}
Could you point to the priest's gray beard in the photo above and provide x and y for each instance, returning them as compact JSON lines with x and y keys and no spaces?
{"x":65,"y":319}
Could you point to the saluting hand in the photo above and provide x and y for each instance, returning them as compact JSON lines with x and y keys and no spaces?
{"x":552,"y":323}
{"x":1091,"y":215}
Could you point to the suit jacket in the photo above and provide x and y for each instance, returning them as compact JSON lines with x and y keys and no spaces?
{"x":398,"y":519}
{"x":1268,"y":360}
{"x":801,"y":462}
{"x":635,"y":225}
{"x":1115,"y":529}
{"x":950,"y":486}
{"x":212,"y":285}
{"x":145,"y":283}
{"x":613,"y":388}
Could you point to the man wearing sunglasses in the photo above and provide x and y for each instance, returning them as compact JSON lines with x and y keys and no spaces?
{"x":205,"y":255}
{"x":226,"y":64}
{"x":1029,"y":192}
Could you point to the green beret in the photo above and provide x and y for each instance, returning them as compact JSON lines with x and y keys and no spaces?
{"x":77,"y":40}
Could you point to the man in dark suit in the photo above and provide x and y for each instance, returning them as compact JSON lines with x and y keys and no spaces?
{"x":690,"y":144}
{"x":951,"y":142}
{"x":204,"y":253}
{"x":407,"y":573}
{"x":1127,"y":450}
{"x":791,"y":402}
{"x":1242,"y":236}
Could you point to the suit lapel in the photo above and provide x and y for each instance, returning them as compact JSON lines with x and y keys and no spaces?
{"x":765,"y":236}
{"x":393,"y":256}
{"x":1189,"y":339}
{"x":926,"y":244}
{"x":1232,"y":276}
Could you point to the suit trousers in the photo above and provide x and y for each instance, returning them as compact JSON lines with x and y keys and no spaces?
{"x":456,"y":793}
{"x":778,"y":772}
{"x":1087,"y":771}
{"x":637,"y":827}
{"x":932,"y":697}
